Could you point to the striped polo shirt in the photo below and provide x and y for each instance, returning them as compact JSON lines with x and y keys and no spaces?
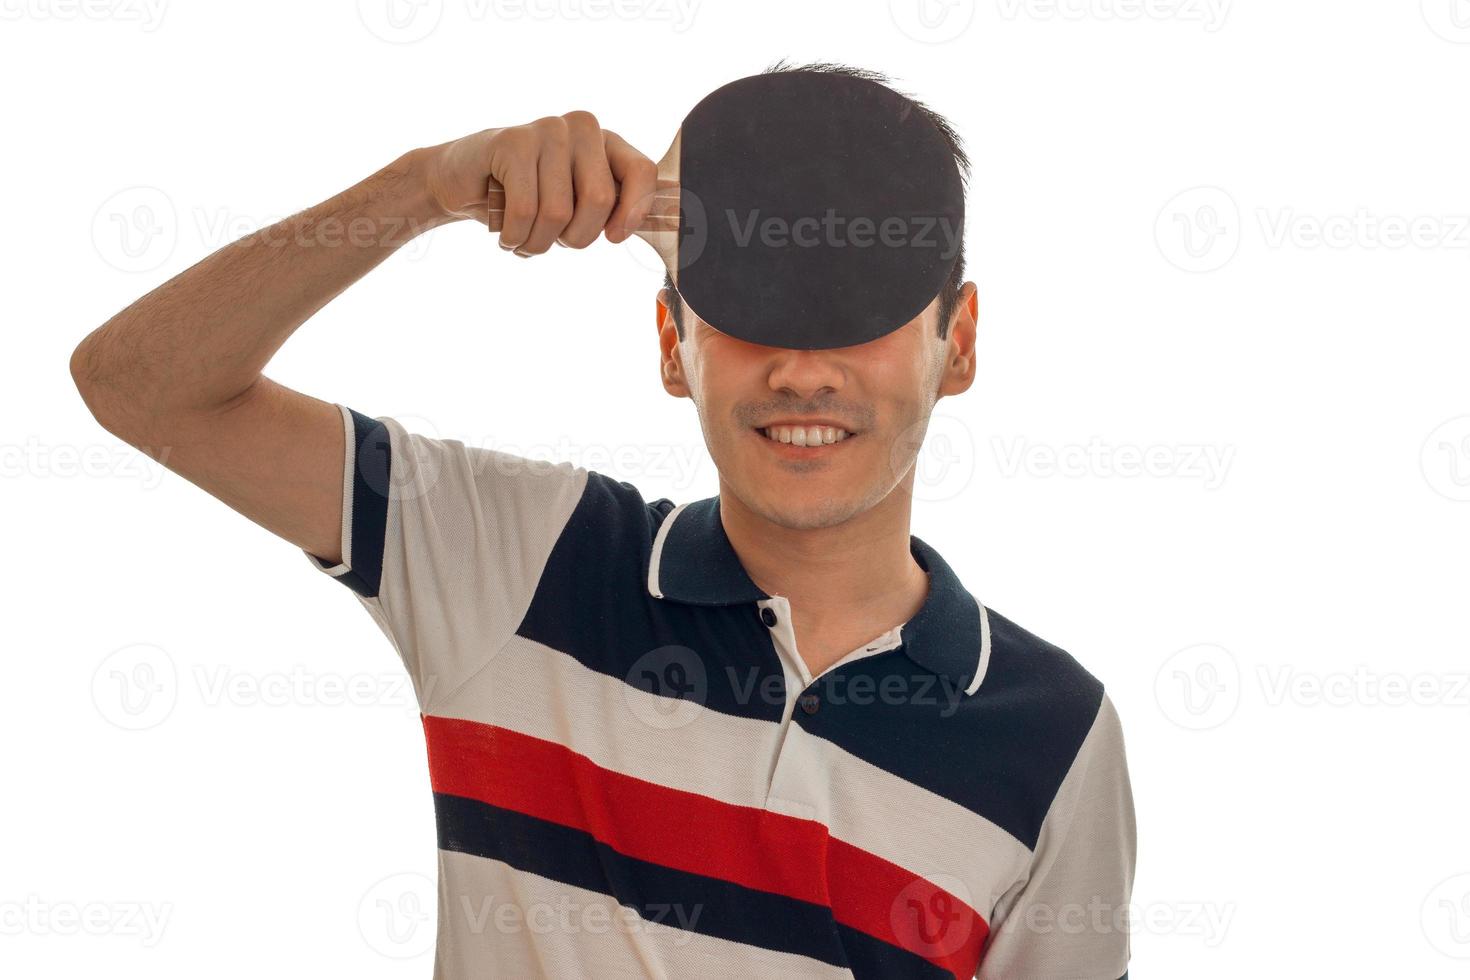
{"x":636,"y":775}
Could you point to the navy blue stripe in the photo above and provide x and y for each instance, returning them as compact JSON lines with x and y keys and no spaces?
{"x":870,"y":957}
{"x":592,"y":603}
{"x":675,"y":898}
{"x":370,"y":488}
{"x":1001,"y":753}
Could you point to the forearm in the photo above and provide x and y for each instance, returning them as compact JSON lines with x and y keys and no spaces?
{"x":200,"y":341}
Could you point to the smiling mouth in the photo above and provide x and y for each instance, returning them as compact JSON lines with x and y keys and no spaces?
{"x":804,"y":439}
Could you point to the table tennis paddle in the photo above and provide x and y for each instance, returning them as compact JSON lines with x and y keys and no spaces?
{"x":805,"y":209}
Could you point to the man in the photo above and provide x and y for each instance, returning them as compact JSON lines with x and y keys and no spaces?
{"x":766,"y":733}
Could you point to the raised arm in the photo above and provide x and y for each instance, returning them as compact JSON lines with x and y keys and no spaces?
{"x":178,"y":374}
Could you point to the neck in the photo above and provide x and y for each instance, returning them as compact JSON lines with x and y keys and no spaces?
{"x":846,"y":582}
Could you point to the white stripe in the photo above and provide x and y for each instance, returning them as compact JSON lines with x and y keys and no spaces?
{"x":984,"y":663}
{"x":495,"y":920}
{"x":535,"y":690}
{"x":656,"y":558}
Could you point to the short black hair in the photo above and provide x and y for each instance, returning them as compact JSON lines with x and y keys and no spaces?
{"x":949,"y":293}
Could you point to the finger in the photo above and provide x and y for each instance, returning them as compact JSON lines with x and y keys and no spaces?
{"x":554,"y":187}
{"x":637,"y":178}
{"x":521,"y":193}
{"x":594,"y":191}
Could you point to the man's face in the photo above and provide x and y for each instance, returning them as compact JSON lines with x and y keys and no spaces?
{"x":882,"y":392}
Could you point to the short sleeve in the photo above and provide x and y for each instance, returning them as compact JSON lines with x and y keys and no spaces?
{"x":444,"y":543}
{"x":1067,"y":919}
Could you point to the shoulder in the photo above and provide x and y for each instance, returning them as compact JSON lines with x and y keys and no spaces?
{"x":1032,"y":674}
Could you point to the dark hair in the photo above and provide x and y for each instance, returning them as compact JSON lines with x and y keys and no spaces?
{"x":949,"y":294}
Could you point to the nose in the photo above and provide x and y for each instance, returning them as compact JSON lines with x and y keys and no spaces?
{"x":805,"y":373}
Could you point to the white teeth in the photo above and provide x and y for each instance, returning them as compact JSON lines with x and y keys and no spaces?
{"x":811,"y":435}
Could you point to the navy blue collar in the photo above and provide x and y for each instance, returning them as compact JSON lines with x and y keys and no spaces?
{"x":692,"y":561}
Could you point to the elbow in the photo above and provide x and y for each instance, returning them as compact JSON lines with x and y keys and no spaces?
{"x":87,"y":374}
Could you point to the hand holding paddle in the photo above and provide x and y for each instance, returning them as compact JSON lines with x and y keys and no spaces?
{"x":559,"y":179}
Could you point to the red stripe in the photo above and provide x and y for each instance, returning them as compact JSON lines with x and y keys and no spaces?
{"x":689,"y":832}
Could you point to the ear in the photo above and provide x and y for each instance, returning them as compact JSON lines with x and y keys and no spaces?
{"x":671,"y":363}
{"x":959,"y":356}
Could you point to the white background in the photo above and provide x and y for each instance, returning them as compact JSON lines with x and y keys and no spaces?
{"x":1231,"y":239}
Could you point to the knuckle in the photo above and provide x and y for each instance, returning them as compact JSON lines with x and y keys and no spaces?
{"x":556,"y":212}
{"x":519,"y":212}
{"x":600,"y":196}
{"x":580,"y":117}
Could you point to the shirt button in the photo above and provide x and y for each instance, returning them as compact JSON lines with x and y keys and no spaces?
{"x":768,"y":615}
{"x":809,"y":703}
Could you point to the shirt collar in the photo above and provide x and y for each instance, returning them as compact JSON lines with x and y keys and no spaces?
{"x":692,"y":561}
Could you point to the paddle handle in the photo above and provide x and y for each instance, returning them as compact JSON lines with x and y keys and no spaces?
{"x":662,"y":217}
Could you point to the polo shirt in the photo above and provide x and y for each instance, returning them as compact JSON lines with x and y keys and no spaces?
{"x":636,"y":775}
